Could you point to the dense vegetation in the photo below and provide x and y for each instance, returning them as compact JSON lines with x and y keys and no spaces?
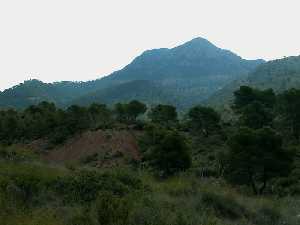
{"x":279,"y":75}
{"x":194,"y":168}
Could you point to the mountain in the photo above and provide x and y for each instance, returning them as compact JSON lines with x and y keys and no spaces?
{"x":34,"y":91}
{"x":186,"y":75}
{"x":280,"y":75}
{"x":195,"y":59}
{"x":143,"y":90}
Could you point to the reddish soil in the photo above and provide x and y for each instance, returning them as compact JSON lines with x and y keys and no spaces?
{"x":111,"y":147}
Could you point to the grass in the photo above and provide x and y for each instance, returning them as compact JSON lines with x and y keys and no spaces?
{"x":181,"y":200}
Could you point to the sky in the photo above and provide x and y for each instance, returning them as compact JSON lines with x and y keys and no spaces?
{"x":55,"y":40}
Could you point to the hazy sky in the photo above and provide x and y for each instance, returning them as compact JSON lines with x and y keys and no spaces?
{"x":84,"y":39}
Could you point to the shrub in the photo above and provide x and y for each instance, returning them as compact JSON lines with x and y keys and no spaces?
{"x":267,"y":215}
{"x":166,"y":151}
{"x":24,"y":184}
{"x":256,"y":157}
{"x":223,"y":206}
{"x":16,"y":154}
{"x":83,"y":186}
{"x":82,"y":217}
{"x":111,"y":210}
{"x":204,"y":120}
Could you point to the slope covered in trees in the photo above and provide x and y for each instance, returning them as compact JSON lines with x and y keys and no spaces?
{"x":143,"y":90}
{"x":280,"y":75}
{"x":34,"y":91}
{"x":189,"y":73}
{"x":195,"y":169}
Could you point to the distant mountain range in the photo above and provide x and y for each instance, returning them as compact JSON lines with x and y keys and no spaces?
{"x":184,"y":76}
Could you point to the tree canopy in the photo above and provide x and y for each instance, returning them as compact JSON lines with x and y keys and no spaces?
{"x":256,"y":156}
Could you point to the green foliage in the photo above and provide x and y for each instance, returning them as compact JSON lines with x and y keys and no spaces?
{"x":246,"y":95}
{"x":178,"y":200}
{"x":83,"y":186}
{"x":76,"y":119}
{"x":254,"y":107}
{"x":9,"y":126}
{"x":100,"y":115}
{"x":166,"y":151}
{"x":111,"y":209}
{"x":289,"y":107}
{"x":255,"y":115}
{"x":255,"y":157}
{"x":24,"y":184}
{"x":266,"y":215}
{"x":163,"y":115}
{"x":135,"y":108}
{"x":16,"y":154}
{"x":46,"y":121}
{"x":279,"y":75}
{"x":223,"y":205}
{"x":128,"y":112}
{"x":204,"y":119}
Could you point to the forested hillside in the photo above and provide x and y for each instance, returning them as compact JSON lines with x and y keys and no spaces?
{"x":190,"y":73}
{"x":280,"y":75}
{"x":34,"y":91}
{"x":184,"y":76}
{"x":143,"y":90}
{"x":130,"y":164}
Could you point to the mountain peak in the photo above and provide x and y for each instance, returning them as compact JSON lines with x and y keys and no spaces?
{"x":198,"y":42}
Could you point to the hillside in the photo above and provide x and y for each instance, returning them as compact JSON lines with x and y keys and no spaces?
{"x":143,"y":90}
{"x":31,"y":92}
{"x":190,"y":73}
{"x":124,"y":166}
{"x":280,"y":75}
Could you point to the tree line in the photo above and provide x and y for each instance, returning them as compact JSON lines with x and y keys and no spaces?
{"x":261,"y":141}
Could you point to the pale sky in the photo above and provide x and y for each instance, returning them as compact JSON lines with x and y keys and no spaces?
{"x":54,"y":40}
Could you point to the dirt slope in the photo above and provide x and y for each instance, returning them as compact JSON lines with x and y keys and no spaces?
{"x":101,"y":148}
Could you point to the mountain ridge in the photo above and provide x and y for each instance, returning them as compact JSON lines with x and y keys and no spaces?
{"x":190,"y":72}
{"x":278,"y":74}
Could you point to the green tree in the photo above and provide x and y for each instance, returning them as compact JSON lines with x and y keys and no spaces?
{"x":246,"y":95}
{"x":135,"y":109}
{"x":169,"y":152}
{"x":289,"y":108}
{"x":120,"y":112}
{"x":255,"y":115}
{"x":128,"y":112}
{"x":76,"y":119}
{"x":39,"y":120}
{"x":204,"y":119}
{"x":163,"y":114}
{"x":255,"y":157}
{"x":111,"y":210}
{"x":100,"y":115}
{"x":254,"y":107}
{"x":10,"y":127}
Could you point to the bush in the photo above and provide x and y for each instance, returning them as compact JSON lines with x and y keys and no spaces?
{"x":82,"y":217}
{"x":223,"y":206}
{"x":16,"y":154}
{"x":111,"y":210}
{"x":151,"y":210}
{"x":25,"y":184}
{"x":267,"y":215}
{"x":83,"y":186}
{"x":166,"y":151}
